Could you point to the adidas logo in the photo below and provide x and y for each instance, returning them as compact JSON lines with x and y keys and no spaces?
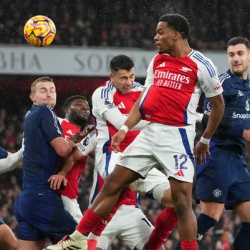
{"x":69,"y":132}
{"x":162,"y":65}
{"x":121,"y":106}
{"x":240,"y":93}
{"x":180,"y":173}
{"x":72,"y":248}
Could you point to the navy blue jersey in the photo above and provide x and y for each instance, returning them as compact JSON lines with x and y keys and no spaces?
{"x":3,"y":153}
{"x":236,"y":93}
{"x":40,"y":159}
{"x":224,"y":177}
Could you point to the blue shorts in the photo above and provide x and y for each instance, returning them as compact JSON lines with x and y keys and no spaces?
{"x":1,"y":222}
{"x":224,"y":179}
{"x":40,"y":214}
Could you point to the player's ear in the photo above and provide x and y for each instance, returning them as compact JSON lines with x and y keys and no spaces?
{"x":111,"y":76}
{"x":32,"y":97}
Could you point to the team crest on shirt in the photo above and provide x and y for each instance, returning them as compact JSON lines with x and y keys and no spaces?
{"x":247,"y":107}
{"x":217,"y":193}
{"x":185,"y":69}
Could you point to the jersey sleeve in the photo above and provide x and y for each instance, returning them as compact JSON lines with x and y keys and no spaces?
{"x":49,"y":123}
{"x":150,"y":74}
{"x":3,"y":153}
{"x":87,"y":144}
{"x":208,"y":79}
{"x":102,"y":100}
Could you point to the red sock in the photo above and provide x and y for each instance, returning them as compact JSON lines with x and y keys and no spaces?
{"x":126,"y":198}
{"x":189,"y":245}
{"x":88,"y":222}
{"x":165,"y":222}
{"x":102,"y":224}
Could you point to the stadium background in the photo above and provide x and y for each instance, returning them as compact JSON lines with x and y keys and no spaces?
{"x":89,"y":33}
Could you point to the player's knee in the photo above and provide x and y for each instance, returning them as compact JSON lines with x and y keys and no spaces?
{"x":112,"y":185}
{"x":182,"y":203}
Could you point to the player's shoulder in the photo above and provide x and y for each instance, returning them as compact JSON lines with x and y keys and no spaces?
{"x":225,"y":77}
{"x":103,"y":91}
{"x":203,"y":62}
{"x":137,"y":87}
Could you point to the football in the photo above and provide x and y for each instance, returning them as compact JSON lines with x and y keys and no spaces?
{"x":39,"y":31}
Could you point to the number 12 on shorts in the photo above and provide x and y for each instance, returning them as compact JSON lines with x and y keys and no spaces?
{"x":180,"y":161}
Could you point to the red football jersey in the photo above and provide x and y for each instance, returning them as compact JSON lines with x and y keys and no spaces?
{"x":175,"y":86}
{"x":71,"y":190}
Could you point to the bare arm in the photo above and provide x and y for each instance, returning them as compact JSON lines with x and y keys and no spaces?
{"x":202,"y":149}
{"x":215,"y":115}
{"x":70,"y":161}
{"x":134,"y":115}
{"x":133,"y":118}
{"x":11,"y":162}
{"x":62,"y":147}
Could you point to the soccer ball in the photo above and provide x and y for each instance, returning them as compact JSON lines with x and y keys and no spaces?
{"x":39,"y":31}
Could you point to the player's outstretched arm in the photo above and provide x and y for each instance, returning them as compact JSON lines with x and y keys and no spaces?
{"x":202,"y":147}
{"x":134,"y":115}
{"x":11,"y":162}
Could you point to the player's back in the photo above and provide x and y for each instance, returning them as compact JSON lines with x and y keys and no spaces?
{"x":40,"y":160}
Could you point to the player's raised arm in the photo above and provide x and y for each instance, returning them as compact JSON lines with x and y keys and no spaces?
{"x":133,"y":118}
{"x":11,"y":162}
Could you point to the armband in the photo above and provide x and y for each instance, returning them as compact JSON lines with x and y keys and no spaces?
{"x":204,"y":140}
{"x":124,"y":128}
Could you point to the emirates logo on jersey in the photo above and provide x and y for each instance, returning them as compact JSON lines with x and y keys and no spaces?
{"x":170,"y":80}
{"x":172,"y":76}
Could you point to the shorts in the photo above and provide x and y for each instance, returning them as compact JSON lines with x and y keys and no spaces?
{"x":105,"y":164}
{"x":72,"y":206}
{"x":1,"y":222}
{"x":159,"y":144}
{"x":128,"y":224}
{"x":40,"y":214}
{"x":223,"y":179}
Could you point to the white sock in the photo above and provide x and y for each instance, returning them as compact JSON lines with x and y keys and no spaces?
{"x":92,"y":236}
{"x":76,"y":235}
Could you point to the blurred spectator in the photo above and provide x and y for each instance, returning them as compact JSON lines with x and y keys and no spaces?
{"x":126,"y":23}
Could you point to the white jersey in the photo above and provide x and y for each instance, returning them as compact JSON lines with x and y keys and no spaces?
{"x":106,"y":98}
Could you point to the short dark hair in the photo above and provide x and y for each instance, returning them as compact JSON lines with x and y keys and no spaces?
{"x":68,"y":101}
{"x":40,"y":79}
{"x":177,"y":22}
{"x":121,"y":62}
{"x":238,"y":40}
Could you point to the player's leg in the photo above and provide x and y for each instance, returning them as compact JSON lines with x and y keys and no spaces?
{"x":40,"y":214}
{"x":241,"y":240}
{"x":8,"y":240}
{"x":212,"y":185}
{"x":132,"y":226}
{"x":72,"y":206}
{"x":140,"y":161}
{"x":156,"y":186}
{"x":239,"y":194}
{"x":174,"y":151}
{"x":30,"y":245}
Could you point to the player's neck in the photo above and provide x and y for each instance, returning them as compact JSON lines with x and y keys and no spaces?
{"x":182,"y":49}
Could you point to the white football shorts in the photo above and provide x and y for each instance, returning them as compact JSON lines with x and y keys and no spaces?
{"x":169,"y":146}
